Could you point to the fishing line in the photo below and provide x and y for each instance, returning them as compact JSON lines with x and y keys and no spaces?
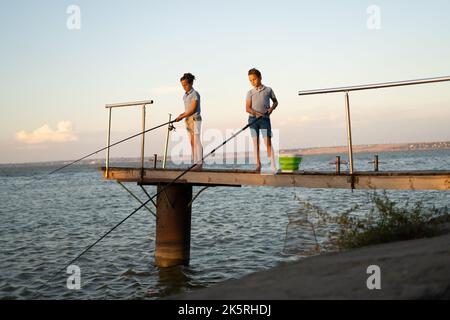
{"x":150,"y":199}
{"x":112,"y":145}
{"x":103,"y":149}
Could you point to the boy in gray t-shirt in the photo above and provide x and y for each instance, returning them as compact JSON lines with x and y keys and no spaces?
{"x":192,"y":118}
{"x":258,"y":106}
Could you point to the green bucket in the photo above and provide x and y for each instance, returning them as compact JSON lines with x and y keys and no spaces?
{"x":290,"y":162}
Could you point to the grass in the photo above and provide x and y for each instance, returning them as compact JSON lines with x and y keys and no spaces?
{"x":387,"y":221}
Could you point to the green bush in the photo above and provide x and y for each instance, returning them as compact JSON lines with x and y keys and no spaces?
{"x":388,"y":221}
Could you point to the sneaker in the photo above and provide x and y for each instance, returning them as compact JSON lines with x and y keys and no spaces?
{"x":198,"y":167}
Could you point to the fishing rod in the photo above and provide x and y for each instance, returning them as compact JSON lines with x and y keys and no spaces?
{"x":151,"y":199}
{"x":112,"y":145}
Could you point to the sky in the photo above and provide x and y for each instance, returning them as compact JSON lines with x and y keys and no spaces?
{"x":59,"y":69}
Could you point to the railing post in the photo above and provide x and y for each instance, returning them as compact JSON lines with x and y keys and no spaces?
{"x":155,"y":160}
{"x":376,"y":163}
{"x":349,"y":133}
{"x":338,"y":165}
{"x":143,"y":141}
{"x":167,"y":142}
{"x":108,"y":143}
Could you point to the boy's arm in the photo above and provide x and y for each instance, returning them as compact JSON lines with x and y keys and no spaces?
{"x":248,"y":109}
{"x":274,"y":103}
{"x":189,"y":112}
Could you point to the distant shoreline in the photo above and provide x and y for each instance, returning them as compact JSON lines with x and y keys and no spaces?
{"x":373,"y":148}
{"x":368,"y":148}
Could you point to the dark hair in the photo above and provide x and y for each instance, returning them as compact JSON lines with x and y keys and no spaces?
{"x":189,"y":77}
{"x":254,"y":71}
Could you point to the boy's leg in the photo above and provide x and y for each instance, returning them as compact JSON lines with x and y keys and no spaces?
{"x":270,"y":153}
{"x":267,"y":134}
{"x":256,"y":151}
{"x":192,"y":141}
{"x":197,"y":149}
{"x":254,"y":131}
{"x":190,"y":132}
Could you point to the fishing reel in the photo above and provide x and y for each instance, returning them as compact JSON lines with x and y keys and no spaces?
{"x":172,"y":127}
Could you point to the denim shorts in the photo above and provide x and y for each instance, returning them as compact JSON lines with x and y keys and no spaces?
{"x":262,"y":125}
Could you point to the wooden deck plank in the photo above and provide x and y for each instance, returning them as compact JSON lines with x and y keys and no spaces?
{"x":399,"y":180}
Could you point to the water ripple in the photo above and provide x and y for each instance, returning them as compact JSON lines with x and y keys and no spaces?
{"x":47,"y":221}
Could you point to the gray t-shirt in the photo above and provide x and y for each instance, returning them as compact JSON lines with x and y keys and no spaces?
{"x":261,"y":98}
{"x":189,"y":97}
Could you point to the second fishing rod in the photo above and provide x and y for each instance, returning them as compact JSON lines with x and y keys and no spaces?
{"x":154,"y":196}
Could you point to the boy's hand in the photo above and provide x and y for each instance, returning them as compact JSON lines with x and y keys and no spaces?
{"x":179,"y":118}
{"x":270,"y":110}
{"x":258,"y":114}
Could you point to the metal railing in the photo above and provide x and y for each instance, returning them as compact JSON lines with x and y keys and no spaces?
{"x":365,"y":87}
{"x":143,"y":104}
{"x":166,"y":145}
{"x":108,"y":139}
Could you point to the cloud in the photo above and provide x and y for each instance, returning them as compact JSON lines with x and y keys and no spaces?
{"x":45,"y":134}
{"x":166,"y":90}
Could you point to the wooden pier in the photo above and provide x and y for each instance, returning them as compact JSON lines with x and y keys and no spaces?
{"x":398,"y":180}
{"x":173,"y":209}
{"x":173,"y":203}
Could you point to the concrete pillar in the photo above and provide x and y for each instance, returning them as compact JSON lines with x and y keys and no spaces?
{"x":173,"y":225}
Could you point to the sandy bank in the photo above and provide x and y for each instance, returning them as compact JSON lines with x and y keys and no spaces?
{"x":417,"y":269}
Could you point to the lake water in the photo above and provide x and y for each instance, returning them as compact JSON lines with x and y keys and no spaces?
{"x":46,"y":220}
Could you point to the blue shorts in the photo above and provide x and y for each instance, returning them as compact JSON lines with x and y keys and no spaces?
{"x":262,"y":125}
